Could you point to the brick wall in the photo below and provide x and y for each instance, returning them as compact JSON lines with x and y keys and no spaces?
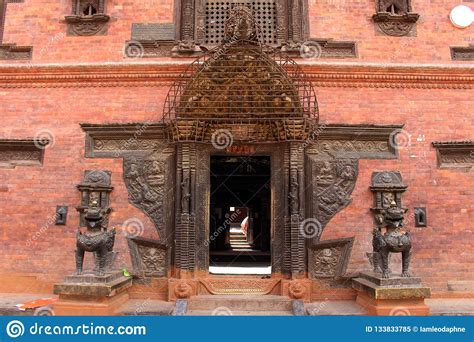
{"x":41,"y":25}
{"x":442,"y":252}
{"x":29,"y":195}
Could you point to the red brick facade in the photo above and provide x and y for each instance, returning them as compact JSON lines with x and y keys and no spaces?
{"x":435,"y":104}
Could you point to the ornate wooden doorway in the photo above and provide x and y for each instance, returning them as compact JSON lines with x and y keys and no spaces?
{"x":240,"y":215}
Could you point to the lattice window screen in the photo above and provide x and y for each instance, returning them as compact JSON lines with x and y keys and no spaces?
{"x":217,"y":12}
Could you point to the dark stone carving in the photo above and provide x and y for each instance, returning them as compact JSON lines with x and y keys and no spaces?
{"x":95,"y":188}
{"x":22,"y":152}
{"x":146,"y":179}
{"x":389,"y":214}
{"x":96,"y":239}
{"x":329,"y":259}
{"x":462,"y":53}
{"x":457,"y":155}
{"x":88,"y":18}
{"x":61,"y":215}
{"x":149,"y":257}
{"x":395,"y":17}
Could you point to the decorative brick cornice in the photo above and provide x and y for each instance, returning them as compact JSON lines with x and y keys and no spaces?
{"x":156,"y":74}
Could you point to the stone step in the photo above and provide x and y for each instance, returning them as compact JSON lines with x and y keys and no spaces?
{"x":236,"y":303}
{"x":237,"y":313}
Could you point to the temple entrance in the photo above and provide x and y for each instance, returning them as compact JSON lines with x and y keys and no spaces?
{"x":239,"y":240}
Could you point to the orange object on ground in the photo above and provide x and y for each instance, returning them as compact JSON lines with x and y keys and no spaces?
{"x":37,"y":303}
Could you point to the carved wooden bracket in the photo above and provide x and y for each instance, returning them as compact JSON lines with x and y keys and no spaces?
{"x":394,"y":17}
{"x":457,"y":155}
{"x":22,"y":152}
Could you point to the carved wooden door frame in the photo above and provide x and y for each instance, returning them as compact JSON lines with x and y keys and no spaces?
{"x":201,"y":191}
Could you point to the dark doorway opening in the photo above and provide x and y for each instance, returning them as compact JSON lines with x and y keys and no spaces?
{"x":239,"y":240}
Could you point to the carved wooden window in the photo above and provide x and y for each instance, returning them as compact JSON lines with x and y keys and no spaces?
{"x":201,"y":22}
{"x":11,"y":51}
{"x":217,"y":12}
{"x":88,"y":18}
{"x":395,"y":17}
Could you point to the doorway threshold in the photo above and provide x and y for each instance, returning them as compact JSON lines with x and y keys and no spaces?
{"x":240,"y":270}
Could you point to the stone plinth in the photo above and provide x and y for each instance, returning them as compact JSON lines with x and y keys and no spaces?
{"x":92,"y":295}
{"x":393,"y":296}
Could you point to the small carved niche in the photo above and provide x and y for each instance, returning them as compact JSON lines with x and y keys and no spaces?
{"x":88,"y":18}
{"x":395,"y":17}
{"x":95,"y":187}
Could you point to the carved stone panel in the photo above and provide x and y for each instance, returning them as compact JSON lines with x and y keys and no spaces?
{"x":21,"y":152}
{"x":121,"y":140}
{"x":462,"y":53}
{"x":149,"y":181}
{"x":455,"y":154}
{"x":329,"y":259}
{"x":355,"y":141}
{"x":14,"y":52}
{"x":149,"y":257}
